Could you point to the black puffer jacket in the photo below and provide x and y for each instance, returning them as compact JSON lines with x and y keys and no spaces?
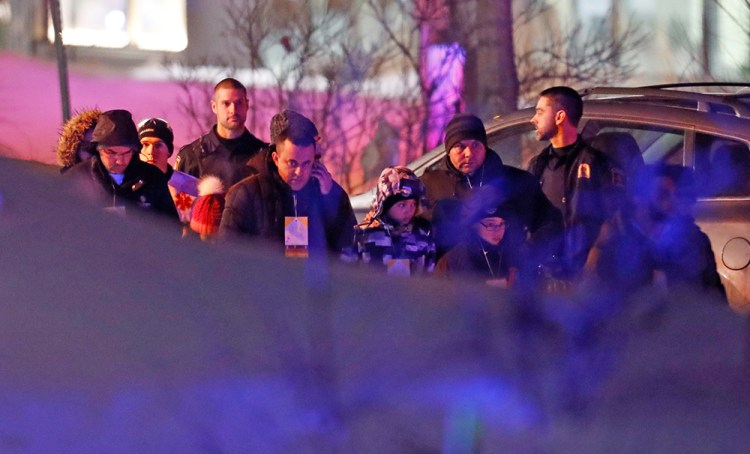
{"x":257,"y":206}
{"x":447,"y":188}
{"x":208,"y":156}
{"x":144,"y":186}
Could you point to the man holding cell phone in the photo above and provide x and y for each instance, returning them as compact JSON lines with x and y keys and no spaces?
{"x":293,"y":200}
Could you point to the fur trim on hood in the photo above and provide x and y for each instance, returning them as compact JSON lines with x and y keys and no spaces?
{"x":71,"y":135}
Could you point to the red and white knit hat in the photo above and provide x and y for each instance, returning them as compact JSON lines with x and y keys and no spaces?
{"x":208,"y":207}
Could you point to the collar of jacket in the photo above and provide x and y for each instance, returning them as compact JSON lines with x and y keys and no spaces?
{"x":476,"y":243}
{"x":491,"y":167}
{"x":210,"y":142}
{"x":546,"y":154}
{"x":129,"y":178}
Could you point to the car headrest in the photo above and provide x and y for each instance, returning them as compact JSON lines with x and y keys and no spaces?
{"x":621,"y":147}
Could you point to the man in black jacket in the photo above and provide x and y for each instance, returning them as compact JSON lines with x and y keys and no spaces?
{"x":293,"y":200}
{"x":468,"y":165}
{"x":114,"y":177}
{"x":228,"y":151}
{"x":579,"y":180}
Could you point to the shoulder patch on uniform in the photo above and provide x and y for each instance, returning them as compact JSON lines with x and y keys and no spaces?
{"x":584,"y":171}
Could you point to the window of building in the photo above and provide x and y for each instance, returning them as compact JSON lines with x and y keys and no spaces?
{"x":159,"y":25}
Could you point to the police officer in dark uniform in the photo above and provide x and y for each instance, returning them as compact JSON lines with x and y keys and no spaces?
{"x":228,"y":151}
{"x":579,"y":180}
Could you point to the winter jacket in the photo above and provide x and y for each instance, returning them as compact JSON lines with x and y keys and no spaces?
{"x":591,"y":190}
{"x":143,"y":186}
{"x":478,"y":259}
{"x":684,"y":253}
{"x":257,"y":205}
{"x":377,"y":243}
{"x":447,"y":188}
{"x":208,"y":156}
{"x":625,"y":257}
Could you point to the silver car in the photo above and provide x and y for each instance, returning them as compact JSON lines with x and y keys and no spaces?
{"x":687,"y":124}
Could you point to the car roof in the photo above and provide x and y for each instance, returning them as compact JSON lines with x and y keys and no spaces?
{"x":720,"y":114}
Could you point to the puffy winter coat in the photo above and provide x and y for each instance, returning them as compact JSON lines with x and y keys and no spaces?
{"x":256,"y":207}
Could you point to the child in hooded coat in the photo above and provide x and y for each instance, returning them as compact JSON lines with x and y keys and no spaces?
{"x":392,"y":236}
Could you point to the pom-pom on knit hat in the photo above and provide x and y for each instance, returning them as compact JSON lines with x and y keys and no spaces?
{"x":208,"y":207}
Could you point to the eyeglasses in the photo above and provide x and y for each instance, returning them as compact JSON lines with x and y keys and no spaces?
{"x":493,"y":226}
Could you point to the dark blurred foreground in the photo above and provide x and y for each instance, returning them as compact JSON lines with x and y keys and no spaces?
{"x":118,"y":336}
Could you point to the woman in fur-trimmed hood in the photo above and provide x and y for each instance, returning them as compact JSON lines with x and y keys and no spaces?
{"x":75,"y":143}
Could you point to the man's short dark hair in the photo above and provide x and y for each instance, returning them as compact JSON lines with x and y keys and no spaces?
{"x":230,"y":83}
{"x":565,"y":99}
{"x":294,"y":126}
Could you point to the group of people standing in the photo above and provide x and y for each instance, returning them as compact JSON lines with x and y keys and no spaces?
{"x":575,"y":213}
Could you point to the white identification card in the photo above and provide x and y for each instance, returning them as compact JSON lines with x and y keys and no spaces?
{"x":295,"y":236}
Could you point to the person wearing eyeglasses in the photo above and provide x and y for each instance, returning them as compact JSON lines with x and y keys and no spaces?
{"x":114,"y":177}
{"x":293,"y":200}
{"x":487,"y":250}
{"x":157,"y":146}
{"x":470,"y":164}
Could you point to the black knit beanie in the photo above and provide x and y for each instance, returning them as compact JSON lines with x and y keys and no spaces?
{"x":156,"y":127}
{"x":116,"y":128}
{"x":464,"y":126}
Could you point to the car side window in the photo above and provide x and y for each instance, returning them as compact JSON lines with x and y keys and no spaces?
{"x":657,"y":144}
{"x":515,"y":145}
{"x":722,"y":166}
